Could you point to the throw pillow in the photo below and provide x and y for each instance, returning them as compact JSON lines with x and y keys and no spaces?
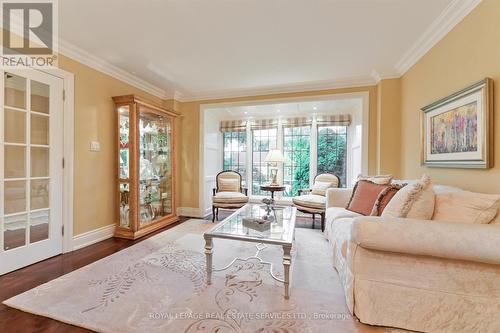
{"x":379,"y":179}
{"x":320,"y":188}
{"x":414,"y":201}
{"x":364,"y":196}
{"x":384,"y":198}
{"x":229,"y":185}
{"x":466,"y":207}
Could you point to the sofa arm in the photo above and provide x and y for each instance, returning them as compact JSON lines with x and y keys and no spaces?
{"x":472,"y":242}
{"x":338,"y":197}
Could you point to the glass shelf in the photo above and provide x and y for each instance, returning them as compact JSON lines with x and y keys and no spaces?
{"x":155,"y":166}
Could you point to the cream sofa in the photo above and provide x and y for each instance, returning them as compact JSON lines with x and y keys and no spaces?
{"x":429,"y":276}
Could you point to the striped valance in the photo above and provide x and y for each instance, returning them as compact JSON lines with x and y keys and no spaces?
{"x":334,"y":120}
{"x":263,"y":123}
{"x":297,"y":122}
{"x":233,"y":126}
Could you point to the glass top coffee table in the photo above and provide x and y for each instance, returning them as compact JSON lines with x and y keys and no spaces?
{"x":280,"y":232}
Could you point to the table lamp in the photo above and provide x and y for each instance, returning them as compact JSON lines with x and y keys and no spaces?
{"x":273,"y":158}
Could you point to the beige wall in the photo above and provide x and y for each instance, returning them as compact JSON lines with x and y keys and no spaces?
{"x":94,"y":189}
{"x":189,"y":137}
{"x":470,"y":52}
{"x":389,"y":127}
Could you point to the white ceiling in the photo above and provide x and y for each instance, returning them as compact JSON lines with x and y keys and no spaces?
{"x":288,"y":109}
{"x":219,"y":48}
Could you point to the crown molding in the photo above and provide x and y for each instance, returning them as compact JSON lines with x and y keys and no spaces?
{"x":178,"y":96}
{"x":455,"y":12}
{"x":384,"y":75}
{"x":86,"y":58}
{"x":352,"y":82}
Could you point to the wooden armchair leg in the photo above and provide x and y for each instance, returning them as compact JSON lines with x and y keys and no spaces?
{"x":217,"y":213}
{"x":323,"y":222}
{"x":314,"y":220}
{"x":213,"y":214}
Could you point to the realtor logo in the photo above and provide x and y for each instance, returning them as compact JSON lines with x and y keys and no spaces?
{"x":29,"y":33}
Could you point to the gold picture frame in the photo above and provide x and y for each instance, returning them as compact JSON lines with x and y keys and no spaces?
{"x":457,"y":131}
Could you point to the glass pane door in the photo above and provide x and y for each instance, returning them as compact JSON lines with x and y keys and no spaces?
{"x":31,"y":168}
{"x":155,"y":166}
{"x":26,"y":161}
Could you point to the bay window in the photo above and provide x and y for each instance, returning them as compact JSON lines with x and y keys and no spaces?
{"x":296,"y":148}
{"x":332,"y":151}
{"x":235,"y":152}
{"x":311,"y":145}
{"x":263,"y":141}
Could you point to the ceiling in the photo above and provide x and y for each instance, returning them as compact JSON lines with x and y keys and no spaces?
{"x":288,"y":109}
{"x":197,"y":49}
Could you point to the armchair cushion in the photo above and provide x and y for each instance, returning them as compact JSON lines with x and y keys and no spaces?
{"x":313,"y":201}
{"x":229,"y":197}
{"x":229,"y":185}
{"x":319,"y":188}
{"x":328,"y":178}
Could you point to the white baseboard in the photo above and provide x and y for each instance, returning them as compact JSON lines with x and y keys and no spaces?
{"x":93,"y":236}
{"x":191,"y":212}
{"x":208,"y":211}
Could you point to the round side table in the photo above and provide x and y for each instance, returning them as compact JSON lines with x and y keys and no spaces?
{"x":272,"y":189}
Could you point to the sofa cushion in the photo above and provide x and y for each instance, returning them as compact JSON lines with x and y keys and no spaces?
{"x":466,"y":207}
{"x":414,"y":201}
{"x":496,"y":220}
{"x":335,"y":213}
{"x":229,"y":197}
{"x":378,"y":179}
{"x":310,"y":201}
{"x":332,"y":216}
{"x":384,"y":198}
{"x":364,"y":196}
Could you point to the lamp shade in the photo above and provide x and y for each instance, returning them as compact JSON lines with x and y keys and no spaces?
{"x":275,"y":155}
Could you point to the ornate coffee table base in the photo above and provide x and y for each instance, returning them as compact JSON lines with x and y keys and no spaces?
{"x":287,"y":261}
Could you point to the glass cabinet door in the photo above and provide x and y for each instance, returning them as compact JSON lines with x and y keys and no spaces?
{"x":124,"y":164}
{"x":155,"y":165}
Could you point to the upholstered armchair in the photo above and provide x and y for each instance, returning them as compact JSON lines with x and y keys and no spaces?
{"x":313,"y":200}
{"x":229,"y":193}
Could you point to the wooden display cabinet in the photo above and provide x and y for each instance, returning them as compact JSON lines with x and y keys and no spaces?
{"x":145,"y":165}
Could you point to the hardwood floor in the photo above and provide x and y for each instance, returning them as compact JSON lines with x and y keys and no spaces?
{"x":11,"y":284}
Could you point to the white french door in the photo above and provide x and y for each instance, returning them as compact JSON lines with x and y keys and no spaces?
{"x":31,"y":169}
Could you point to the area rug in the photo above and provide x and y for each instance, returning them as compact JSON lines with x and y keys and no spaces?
{"x":159,"y":285}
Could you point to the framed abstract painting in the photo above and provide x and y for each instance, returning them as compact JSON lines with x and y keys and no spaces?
{"x":457,"y":131}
